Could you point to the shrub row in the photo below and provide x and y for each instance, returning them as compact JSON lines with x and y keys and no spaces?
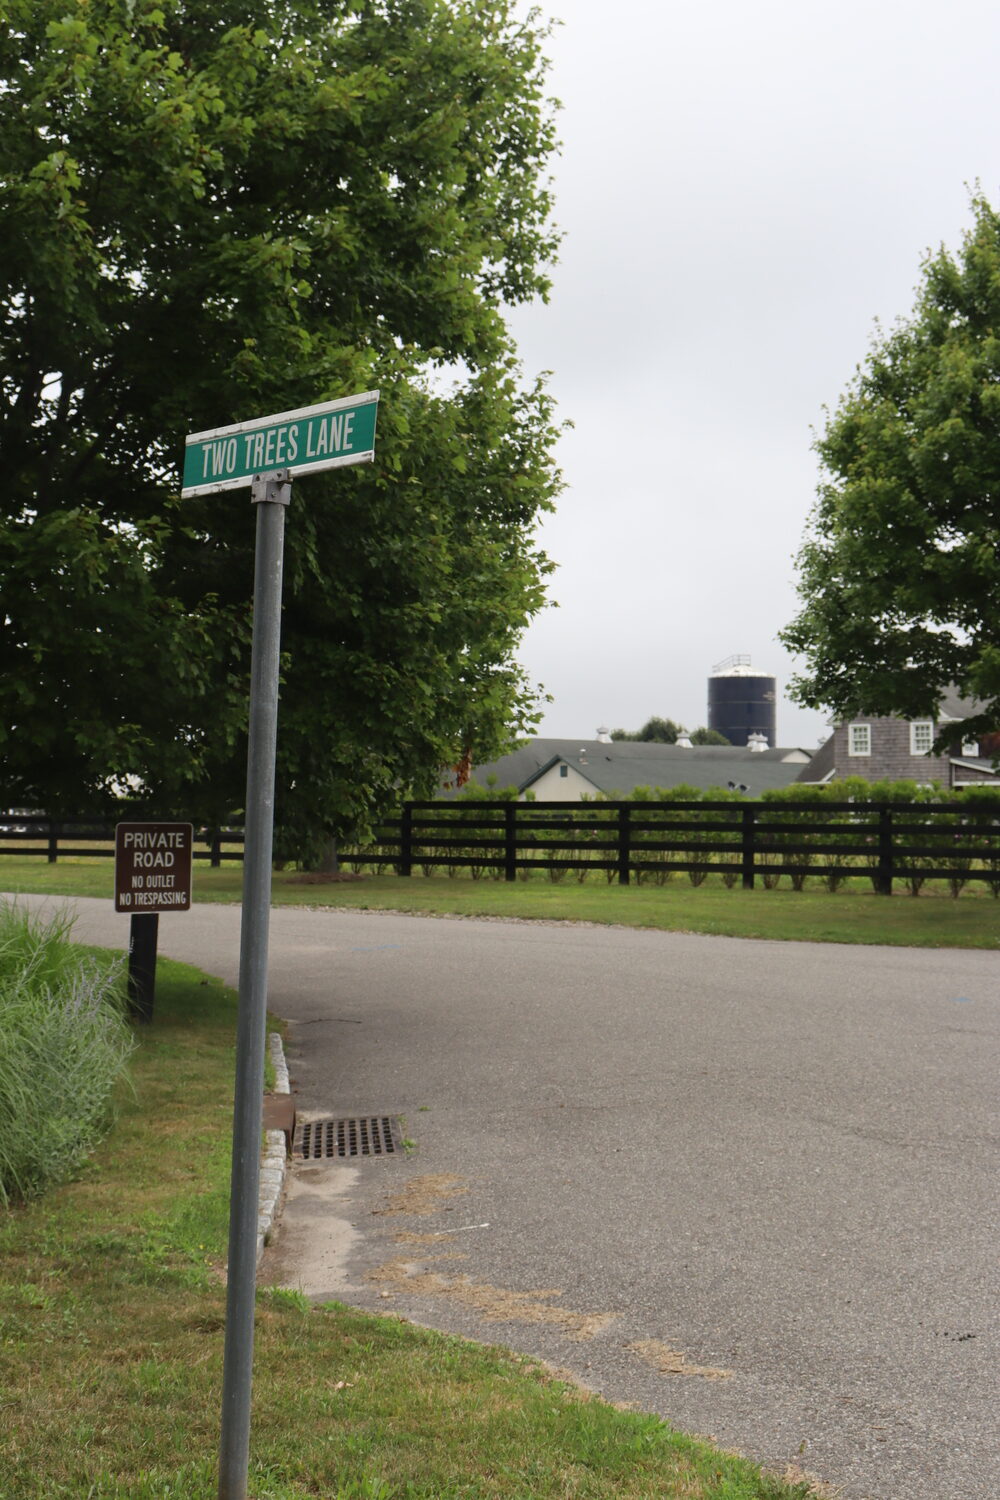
{"x":833,"y":832}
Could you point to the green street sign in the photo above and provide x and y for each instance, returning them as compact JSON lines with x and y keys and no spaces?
{"x":303,"y":442}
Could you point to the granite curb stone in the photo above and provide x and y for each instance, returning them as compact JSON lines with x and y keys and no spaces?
{"x":274,"y":1161}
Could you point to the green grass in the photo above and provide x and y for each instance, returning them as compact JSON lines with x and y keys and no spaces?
{"x":112,"y":1317}
{"x":934,"y":919}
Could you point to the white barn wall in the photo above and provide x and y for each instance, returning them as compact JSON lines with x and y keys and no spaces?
{"x":551,"y":787}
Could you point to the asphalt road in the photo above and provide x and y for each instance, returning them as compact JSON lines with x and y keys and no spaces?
{"x":748,"y":1185}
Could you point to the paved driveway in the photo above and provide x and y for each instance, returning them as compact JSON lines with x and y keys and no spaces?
{"x":751,"y":1186}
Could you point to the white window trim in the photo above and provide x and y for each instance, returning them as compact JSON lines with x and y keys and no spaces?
{"x":914,"y":726}
{"x":970,"y":749}
{"x":852,"y":739}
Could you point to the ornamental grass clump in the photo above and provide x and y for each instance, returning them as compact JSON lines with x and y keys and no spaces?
{"x":64,"y":1040}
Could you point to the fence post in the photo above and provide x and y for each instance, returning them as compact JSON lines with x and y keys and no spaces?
{"x":406,"y":840}
{"x":53,"y":842}
{"x":510,"y":841}
{"x":624,"y":831}
{"x":215,"y":845}
{"x":883,"y":880}
{"x":749,"y":831}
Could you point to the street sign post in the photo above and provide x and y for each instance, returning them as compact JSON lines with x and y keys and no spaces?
{"x":301,"y":442}
{"x":152,"y":874}
{"x":265,"y":454}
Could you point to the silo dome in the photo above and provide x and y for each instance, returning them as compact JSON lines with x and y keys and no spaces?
{"x":742,"y":702}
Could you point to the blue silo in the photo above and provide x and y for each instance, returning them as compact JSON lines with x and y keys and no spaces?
{"x":742,"y":702}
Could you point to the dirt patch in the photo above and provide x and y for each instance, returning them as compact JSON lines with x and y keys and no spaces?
{"x":424,"y":1195}
{"x":816,"y":1487}
{"x":671,"y":1362}
{"x":576,"y":1389}
{"x":495,"y":1304}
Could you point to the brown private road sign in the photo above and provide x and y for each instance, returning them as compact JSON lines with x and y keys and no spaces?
{"x":153,"y":866}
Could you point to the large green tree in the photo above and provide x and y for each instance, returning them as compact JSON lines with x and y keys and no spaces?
{"x":899,"y":574}
{"x":212,"y":211}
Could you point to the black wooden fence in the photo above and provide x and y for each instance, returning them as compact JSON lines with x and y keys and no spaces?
{"x":31,"y":833}
{"x":743,"y":842}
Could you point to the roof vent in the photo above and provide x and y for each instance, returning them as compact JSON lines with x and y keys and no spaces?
{"x":683,"y":741}
{"x":603,"y":735}
{"x":757,"y":742}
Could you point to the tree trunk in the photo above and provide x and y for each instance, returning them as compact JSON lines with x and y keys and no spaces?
{"x":329,"y":863}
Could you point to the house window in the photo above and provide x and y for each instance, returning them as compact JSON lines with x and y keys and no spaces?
{"x":859,"y":739}
{"x":564,"y":770}
{"x":970,"y":749}
{"x":921,"y":736}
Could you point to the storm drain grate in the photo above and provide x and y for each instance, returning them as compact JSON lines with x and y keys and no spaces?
{"x":366,"y":1135}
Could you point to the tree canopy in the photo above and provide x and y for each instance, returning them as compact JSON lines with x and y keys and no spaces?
{"x":899,"y":574}
{"x":666,"y":732}
{"x":213,"y":212}
{"x":655,"y":730}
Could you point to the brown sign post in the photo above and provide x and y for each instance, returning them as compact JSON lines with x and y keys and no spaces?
{"x":152,"y":874}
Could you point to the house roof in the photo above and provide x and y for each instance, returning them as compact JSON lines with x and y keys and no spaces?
{"x":975,"y":770}
{"x":954,"y":707}
{"x":622,"y":765}
{"x":822,"y":766}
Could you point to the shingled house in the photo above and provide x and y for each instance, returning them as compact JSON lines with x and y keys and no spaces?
{"x":556,"y":770}
{"x":888,"y":749}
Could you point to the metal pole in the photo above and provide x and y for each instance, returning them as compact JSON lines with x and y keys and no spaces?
{"x":271,"y":493}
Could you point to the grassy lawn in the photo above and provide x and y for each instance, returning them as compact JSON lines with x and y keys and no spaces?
{"x":112,"y":1309}
{"x":853,"y":914}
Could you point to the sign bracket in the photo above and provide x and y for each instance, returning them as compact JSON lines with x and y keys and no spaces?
{"x":271,"y":489}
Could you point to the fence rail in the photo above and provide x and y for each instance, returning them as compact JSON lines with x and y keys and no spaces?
{"x":744,"y":842}
{"x":32,"y":834}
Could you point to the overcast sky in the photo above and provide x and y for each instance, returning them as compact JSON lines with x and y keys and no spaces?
{"x":744,"y":189}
